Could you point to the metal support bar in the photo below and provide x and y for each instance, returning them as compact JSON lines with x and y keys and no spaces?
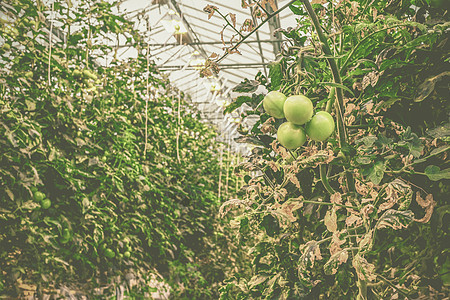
{"x":222,"y":66}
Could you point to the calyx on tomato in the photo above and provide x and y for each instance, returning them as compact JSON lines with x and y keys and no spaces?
{"x":320,"y":127}
{"x":298,"y":109}
{"x":291,"y":136}
{"x":273,"y":104}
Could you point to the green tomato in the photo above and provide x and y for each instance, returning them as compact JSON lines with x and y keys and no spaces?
{"x":298,"y":109}
{"x":109,"y":253}
{"x":127,"y":254}
{"x":273,"y":104}
{"x":46,"y":203}
{"x":38,"y":196}
{"x":320,"y":127}
{"x":291,"y":136}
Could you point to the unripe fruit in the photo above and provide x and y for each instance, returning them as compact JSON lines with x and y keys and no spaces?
{"x":65,"y":236}
{"x":320,"y":127}
{"x":273,"y":104}
{"x":38,"y":196}
{"x":109,"y":253}
{"x":298,"y":109}
{"x":290,"y":135}
{"x":46,"y":203}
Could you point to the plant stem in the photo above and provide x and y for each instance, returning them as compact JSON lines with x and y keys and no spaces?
{"x":329,"y":204}
{"x":392,"y":285}
{"x":229,"y":24}
{"x":418,"y":161}
{"x":324,"y":179}
{"x":323,"y":168}
{"x":255,"y":29}
{"x":339,"y":105}
{"x":330,"y":101}
{"x":337,"y":79}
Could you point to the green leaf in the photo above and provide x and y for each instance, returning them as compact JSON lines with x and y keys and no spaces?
{"x":338,"y":85}
{"x":249,"y":140}
{"x":237,"y":103}
{"x":246,"y":86}
{"x":427,"y":87}
{"x":275,"y":74}
{"x":440,"y":132}
{"x":377,"y":172}
{"x":435,"y":173}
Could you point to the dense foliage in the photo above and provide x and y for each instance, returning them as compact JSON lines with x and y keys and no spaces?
{"x":365,"y":214}
{"x":107,"y":177}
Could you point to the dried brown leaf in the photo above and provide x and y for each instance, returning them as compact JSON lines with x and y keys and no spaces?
{"x":294,"y":180}
{"x":428,"y":204}
{"x":353,"y":220}
{"x":233,"y":19}
{"x":247,"y":26}
{"x":288,"y":207}
{"x":228,"y":205}
{"x":336,"y":243}
{"x":210,"y":9}
{"x":364,"y":269}
{"x":267,"y":126}
{"x":336,"y":198}
{"x":330,"y":220}
{"x":273,"y":166}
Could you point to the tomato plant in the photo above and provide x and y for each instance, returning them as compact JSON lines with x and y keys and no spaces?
{"x":357,"y":212}
{"x":80,"y":142}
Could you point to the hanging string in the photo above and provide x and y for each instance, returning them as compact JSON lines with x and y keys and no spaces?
{"x":146,"y":101}
{"x":50,"y":42}
{"x":178,"y":127}
{"x":220,"y":172}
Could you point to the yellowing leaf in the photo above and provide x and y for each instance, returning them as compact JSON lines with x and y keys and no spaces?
{"x":330,"y":220}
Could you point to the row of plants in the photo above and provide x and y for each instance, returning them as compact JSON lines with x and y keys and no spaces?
{"x":363,"y":213}
{"x":108,"y":179}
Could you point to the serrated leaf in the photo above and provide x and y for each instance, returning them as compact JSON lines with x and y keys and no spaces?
{"x":246,"y":86}
{"x":237,"y":103}
{"x":395,"y":219}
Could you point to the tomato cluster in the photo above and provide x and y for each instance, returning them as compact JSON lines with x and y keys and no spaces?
{"x":298,"y":110}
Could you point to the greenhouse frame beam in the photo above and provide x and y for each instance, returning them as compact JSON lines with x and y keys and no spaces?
{"x":211,"y":43}
{"x":274,"y":24}
{"x":222,"y":66}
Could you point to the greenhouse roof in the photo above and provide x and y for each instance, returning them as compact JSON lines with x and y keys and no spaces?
{"x":181,"y":37}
